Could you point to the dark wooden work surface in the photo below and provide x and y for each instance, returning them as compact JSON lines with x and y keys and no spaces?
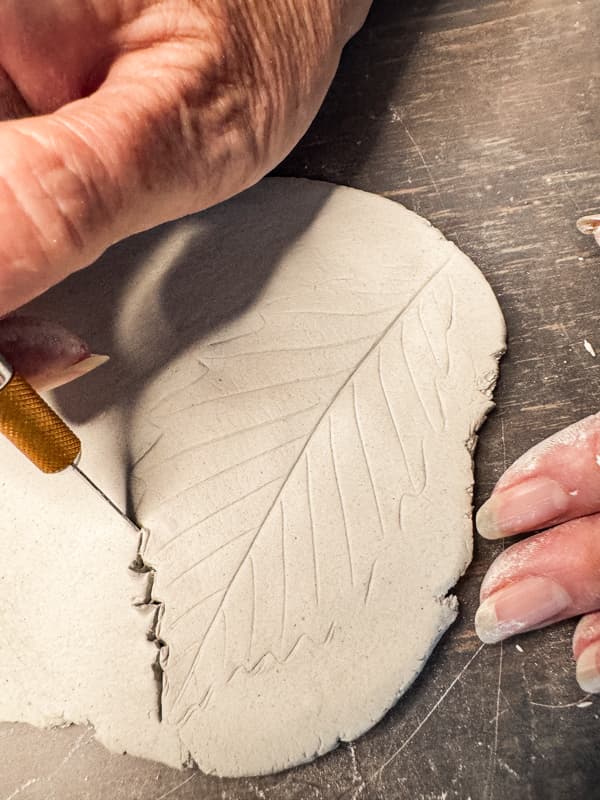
{"x":485,"y":118}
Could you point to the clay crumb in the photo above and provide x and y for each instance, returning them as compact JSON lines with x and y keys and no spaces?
{"x":519,"y":649}
{"x":588,"y":346}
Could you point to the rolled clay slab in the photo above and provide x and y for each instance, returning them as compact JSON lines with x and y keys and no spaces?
{"x":296,"y":381}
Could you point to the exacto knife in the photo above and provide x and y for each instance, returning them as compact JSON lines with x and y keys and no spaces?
{"x":38,"y":432}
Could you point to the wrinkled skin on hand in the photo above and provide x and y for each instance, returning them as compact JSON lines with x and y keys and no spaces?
{"x":553,"y":575}
{"x":135,"y":112}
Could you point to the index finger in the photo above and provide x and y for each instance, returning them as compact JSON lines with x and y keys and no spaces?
{"x":555,"y":481}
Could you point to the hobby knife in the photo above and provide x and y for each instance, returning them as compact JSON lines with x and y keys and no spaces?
{"x":38,"y":432}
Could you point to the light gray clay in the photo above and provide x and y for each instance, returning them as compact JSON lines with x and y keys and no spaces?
{"x":299,"y":379}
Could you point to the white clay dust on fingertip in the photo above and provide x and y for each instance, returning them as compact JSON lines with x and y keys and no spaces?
{"x":575,"y":435}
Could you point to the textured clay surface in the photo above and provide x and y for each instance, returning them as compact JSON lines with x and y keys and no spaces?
{"x":299,"y":450}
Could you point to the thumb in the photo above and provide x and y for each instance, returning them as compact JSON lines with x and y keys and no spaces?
{"x":75,"y":181}
{"x":58,"y":203}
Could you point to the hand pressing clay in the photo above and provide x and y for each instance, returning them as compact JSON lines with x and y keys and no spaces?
{"x":297,"y":380}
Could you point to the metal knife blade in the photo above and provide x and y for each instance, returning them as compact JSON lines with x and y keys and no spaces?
{"x":105,"y":497}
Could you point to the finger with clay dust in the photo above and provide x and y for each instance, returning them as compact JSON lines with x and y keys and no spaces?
{"x":546,"y":578}
{"x":553,"y":575}
{"x":555,"y":481}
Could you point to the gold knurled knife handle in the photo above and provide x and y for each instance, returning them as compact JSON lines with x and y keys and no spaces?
{"x":32,"y":426}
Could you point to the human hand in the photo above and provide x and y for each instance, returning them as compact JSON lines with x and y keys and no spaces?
{"x":552,"y":575}
{"x":135,"y":112}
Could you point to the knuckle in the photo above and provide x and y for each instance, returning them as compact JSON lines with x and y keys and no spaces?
{"x":49,"y":213}
{"x":50,"y":197}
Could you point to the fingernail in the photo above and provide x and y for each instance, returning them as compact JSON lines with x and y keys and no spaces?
{"x":77,"y":370}
{"x":519,"y":607}
{"x":588,"y":669}
{"x":524,"y":507}
{"x":590,"y":225}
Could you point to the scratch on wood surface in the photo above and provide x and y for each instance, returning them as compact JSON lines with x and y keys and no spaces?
{"x":357,"y":776}
{"x":22,"y":788}
{"x":572,"y":345}
{"x":574,"y":704}
{"x":179,"y":785}
{"x":491,"y":773}
{"x":375,"y":775}
{"x":508,"y":768}
{"x":415,"y":144}
{"x":503,"y":438}
{"x":561,"y":175}
{"x":490,"y":780}
{"x":81,"y":740}
{"x":497,"y":716}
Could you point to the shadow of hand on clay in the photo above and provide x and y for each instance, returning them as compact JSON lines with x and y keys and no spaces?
{"x":159,"y":293}
{"x":163,"y":291}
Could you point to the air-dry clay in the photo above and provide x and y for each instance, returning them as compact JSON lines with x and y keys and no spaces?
{"x":296,"y":383}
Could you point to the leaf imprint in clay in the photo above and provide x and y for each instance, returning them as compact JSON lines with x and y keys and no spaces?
{"x":308,"y":491}
{"x":296,"y":380}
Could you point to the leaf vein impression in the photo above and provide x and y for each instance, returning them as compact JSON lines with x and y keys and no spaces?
{"x":175,"y":622}
{"x":244,"y":392}
{"x":301,"y":454}
{"x":394,"y":422}
{"x":304,"y":349}
{"x":210,"y":555}
{"x":284,"y":570}
{"x":341,"y":502}
{"x":312,"y":530}
{"x":220,"y":510}
{"x":363,"y":448}
{"x":239,"y":432}
{"x":413,"y":380}
{"x":232,"y":467}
